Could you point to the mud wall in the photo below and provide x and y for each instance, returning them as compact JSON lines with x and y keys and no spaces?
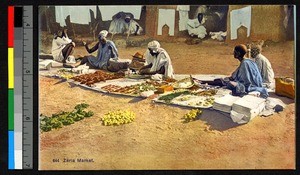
{"x":266,"y":24}
{"x":152,"y":23}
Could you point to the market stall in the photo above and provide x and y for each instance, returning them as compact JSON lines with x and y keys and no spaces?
{"x":182,"y":91}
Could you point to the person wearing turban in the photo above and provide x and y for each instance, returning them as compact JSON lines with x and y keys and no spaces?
{"x":263,"y":64}
{"x":157,"y":62}
{"x":246,"y":78}
{"x":107,"y":56}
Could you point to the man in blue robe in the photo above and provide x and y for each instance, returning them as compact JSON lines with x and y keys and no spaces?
{"x":246,"y":78}
{"x":107,"y":56}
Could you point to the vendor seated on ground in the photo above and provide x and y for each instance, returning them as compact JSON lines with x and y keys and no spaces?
{"x":246,"y":78}
{"x":263,"y":64}
{"x":158,"y":62}
{"x":62,"y":47}
{"x":107,"y":56}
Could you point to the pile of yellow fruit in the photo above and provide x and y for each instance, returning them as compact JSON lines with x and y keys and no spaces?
{"x":192,"y":115}
{"x":118,"y":117}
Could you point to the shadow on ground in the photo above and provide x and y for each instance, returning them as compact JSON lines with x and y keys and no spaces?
{"x":217,"y":120}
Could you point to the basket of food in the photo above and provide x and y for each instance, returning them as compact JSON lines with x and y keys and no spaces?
{"x":185,"y":83}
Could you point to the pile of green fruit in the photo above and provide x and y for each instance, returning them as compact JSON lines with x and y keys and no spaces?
{"x":61,"y":119}
{"x":118,"y":117}
{"x":192,"y":115}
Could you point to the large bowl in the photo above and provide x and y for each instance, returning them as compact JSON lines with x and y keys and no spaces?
{"x":185,"y":83}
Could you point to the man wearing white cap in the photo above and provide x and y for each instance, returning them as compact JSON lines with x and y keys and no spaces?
{"x":158,"y":62}
{"x":107,"y":57}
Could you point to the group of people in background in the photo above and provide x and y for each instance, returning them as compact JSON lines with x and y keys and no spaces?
{"x":253,"y":74}
{"x":157,"y":59}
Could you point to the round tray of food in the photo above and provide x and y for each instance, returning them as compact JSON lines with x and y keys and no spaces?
{"x":185,"y":83}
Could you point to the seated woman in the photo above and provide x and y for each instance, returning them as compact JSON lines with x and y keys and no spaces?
{"x":158,"y":62}
{"x":263,"y":64}
{"x":246,"y":78}
{"x":107,"y":57}
{"x":62,"y":47}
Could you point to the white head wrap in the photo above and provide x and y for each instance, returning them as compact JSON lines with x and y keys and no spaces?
{"x":154,"y":45}
{"x":103,"y":33}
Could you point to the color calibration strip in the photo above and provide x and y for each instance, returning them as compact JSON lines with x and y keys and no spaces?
{"x":20,"y":107}
{"x":11,"y":147}
{"x":18,"y":82}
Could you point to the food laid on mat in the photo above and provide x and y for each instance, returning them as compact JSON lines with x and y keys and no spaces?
{"x":193,"y":101}
{"x":58,"y":120}
{"x":137,"y":76}
{"x":118,"y":117}
{"x":165,"y":88}
{"x":209,"y":92}
{"x":135,"y":90}
{"x":65,"y":74}
{"x":185,"y":83}
{"x":168,"y":97}
{"x":192,"y":115}
{"x":98,"y":76}
{"x":186,"y":98}
{"x":157,"y":84}
{"x":111,"y":88}
{"x":147,"y":94}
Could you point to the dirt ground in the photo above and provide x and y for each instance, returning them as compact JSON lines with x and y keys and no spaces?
{"x":158,"y":139}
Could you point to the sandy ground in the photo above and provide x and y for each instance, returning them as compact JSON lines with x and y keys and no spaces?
{"x":158,"y":139}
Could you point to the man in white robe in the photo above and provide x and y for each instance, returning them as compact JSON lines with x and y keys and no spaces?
{"x":62,"y":46}
{"x":264,"y":66}
{"x":158,"y":62}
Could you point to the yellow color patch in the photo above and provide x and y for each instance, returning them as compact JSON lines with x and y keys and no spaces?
{"x":10,"y":68}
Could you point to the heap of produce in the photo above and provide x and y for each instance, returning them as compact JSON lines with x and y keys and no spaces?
{"x":135,"y":89}
{"x":165,"y":88}
{"x":65,"y":74}
{"x":192,"y":115}
{"x":184,"y":83}
{"x":111,"y":88}
{"x":167,"y":98}
{"x":61,"y":119}
{"x":90,"y":79}
{"x":118,"y":117}
{"x":157,"y":84}
{"x":208,"y":102}
{"x":209,"y":92}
